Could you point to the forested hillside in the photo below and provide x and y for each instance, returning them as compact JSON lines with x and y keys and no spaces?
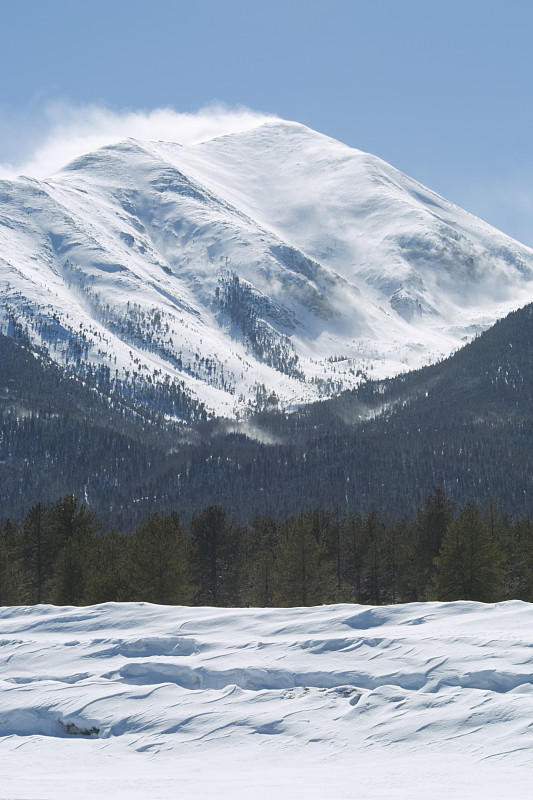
{"x":464,"y":424}
{"x":59,"y":434}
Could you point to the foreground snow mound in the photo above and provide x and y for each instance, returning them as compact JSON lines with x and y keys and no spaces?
{"x":133,"y":700}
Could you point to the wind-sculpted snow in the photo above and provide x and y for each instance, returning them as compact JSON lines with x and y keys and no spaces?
{"x":134,"y":700}
{"x":274,"y":257}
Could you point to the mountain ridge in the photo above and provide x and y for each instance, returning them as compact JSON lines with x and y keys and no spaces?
{"x":274,"y":260}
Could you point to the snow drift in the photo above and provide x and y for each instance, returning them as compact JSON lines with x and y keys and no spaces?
{"x":422,"y":700}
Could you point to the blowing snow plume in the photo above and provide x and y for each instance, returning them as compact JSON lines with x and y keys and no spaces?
{"x":67,"y":132}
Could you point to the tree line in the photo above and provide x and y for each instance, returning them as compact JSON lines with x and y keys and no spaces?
{"x":58,"y":554}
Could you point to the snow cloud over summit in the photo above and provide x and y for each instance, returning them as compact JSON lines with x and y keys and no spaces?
{"x":66,"y":132}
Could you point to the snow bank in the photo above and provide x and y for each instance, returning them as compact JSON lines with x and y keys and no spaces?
{"x":426,"y":700}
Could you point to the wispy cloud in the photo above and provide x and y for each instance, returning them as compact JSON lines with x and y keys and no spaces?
{"x":65,"y":132}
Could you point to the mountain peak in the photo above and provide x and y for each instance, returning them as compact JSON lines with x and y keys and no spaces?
{"x":275,"y":262}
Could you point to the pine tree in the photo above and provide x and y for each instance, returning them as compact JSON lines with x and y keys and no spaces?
{"x":216,"y":548}
{"x":9,"y":577}
{"x":109,"y":577}
{"x":374,"y":565}
{"x":161,"y":561}
{"x":36,"y":551}
{"x":12,"y":578}
{"x":408,"y":563}
{"x":469,"y":562}
{"x":354,"y":545}
{"x":515,"y":541}
{"x":432,"y":522}
{"x":395,"y":551}
{"x":72,"y":529}
{"x":303,"y":573}
{"x":261,"y":543}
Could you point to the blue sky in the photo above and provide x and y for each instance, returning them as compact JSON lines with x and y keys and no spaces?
{"x":439,"y":88}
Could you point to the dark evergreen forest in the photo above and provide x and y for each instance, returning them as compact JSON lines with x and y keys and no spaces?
{"x":59,"y":553}
{"x":464,"y":424}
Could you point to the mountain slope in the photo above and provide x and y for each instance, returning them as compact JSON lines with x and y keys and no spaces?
{"x":275,"y":264}
{"x":60,"y":436}
{"x":464,"y":424}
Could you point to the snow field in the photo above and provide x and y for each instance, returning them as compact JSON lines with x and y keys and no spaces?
{"x":133,"y":700}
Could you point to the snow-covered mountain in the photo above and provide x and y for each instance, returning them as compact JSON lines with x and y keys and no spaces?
{"x":271,"y":262}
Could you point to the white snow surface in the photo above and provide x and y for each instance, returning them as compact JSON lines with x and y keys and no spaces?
{"x":347,"y":264}
{"x":132,"y":701}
